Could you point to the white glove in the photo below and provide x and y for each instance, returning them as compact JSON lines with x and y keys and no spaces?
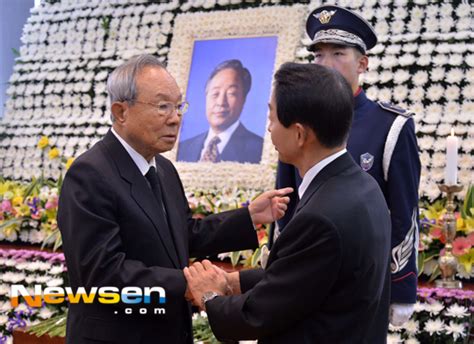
{"x":400,"y":313}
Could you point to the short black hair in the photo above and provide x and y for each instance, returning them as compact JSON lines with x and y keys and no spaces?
{"x":315,"y":96}
{"x":236,"y":65}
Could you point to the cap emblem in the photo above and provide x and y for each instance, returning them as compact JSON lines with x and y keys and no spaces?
{"x":324,"y":16}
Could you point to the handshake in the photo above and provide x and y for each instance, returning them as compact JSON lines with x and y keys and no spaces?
{"x":205,"y":279}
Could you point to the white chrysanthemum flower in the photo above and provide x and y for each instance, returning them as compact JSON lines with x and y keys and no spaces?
{"x":411,"y":340}
{"x":435,"y":308}
{"x":431,"y":24}
{"x":416,"y":94}
{"x":394,"y":338}
{"x":411,"y":327}
{"x":372,"y":92}
{"x":420,"y":78}
{"x":56,"y":270}
{"x":451,"y":108}
{"x":401,"y":76}
{"x":435,"y":92}
{"x":381,"y":27}
{"x":444,"y":129}
{"x":425,"y":160}
{"x":468,"y":91}
{"x":385,"y":94}
{"x":397,"y":27}
{"x":456,"y":311}
{"x":400,"y":93}
{"x":456,"y":330}
{"x":3,"y":319}
{"x":468,"y":108}
{"x":438,"y":160}
{"x":417,"y":12}
{"x":452,"y":93}
{"x":435,"y":326}
{"x":385,"y":76}
{"x":393,"y":49}
{"x":46,"y":313}
{"x":455,"y":75}
{"x":440,"y":60}
{"x":55,"y":282}
{"x":455,"y":59}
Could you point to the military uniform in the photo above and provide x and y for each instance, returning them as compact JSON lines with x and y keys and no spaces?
{"x":383,"y":142}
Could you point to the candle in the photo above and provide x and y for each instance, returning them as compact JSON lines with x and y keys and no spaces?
{"x":451,"y":177}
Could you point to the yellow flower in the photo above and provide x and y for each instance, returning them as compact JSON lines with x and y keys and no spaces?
{"x":23,"y":210}
{"x":69,"y":163}
{"x":10,"y":229}
{"x":467,"y":260}
{"x":53,"y":153}
{"x":17,"y":201}
{"x":43,"y":142}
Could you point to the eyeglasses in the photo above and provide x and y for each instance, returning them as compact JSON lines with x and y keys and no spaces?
{"x":165,"y":109}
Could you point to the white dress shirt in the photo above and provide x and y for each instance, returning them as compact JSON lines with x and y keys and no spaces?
{"x":313,"y":171}
{"x":308,"y":178}
{"x":224,"y":137}
{"x":137,"y":158}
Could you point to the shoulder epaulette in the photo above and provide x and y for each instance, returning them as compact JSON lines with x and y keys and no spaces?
{"x":395,"y":109}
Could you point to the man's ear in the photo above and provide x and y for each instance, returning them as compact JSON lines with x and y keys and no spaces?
{"x":363,"y":64}
{"x":119,"y":111}
{"x":301,"y":134}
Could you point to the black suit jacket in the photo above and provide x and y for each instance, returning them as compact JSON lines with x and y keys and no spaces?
{"x":243,"y":146}
{"x":327,"y":273}
{"x":112,"y":236}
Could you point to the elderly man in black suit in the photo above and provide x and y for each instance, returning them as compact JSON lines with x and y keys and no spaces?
{"x":227,"y":138}
{"x":325,"y":276}
{"x":125,"y":221}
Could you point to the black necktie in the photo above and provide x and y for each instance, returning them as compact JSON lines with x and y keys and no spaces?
{"x":155,"y":186}
{"x":152,"y":178}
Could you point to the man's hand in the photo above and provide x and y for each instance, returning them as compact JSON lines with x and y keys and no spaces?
{"x":269,"y":206}
{"x":400,"y":313}
{"x":203,"y":278}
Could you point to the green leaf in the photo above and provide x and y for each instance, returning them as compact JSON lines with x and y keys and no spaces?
{"x":256,"y":257}
{"x":10,"y":222}
{"x":31,"y":188}
{"x":234,"y":258}
{"x":421,"y":263}
{"x":468,"y":202}
{"x":436,"y":273}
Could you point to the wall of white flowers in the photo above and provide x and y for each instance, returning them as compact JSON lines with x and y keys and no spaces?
{"x":424,"y":61}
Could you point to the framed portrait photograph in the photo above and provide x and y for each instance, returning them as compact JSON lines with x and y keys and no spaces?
{"x":224,"y":64}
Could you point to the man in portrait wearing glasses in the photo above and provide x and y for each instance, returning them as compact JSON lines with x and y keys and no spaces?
{"x":227,"y":138}
{"x":125,"y":221}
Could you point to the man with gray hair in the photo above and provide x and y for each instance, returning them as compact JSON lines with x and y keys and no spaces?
{"x":126,"y":224}
{"x":227,"y":138}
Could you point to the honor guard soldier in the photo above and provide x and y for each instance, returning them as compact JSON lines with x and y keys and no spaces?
{"x":382,"y":141}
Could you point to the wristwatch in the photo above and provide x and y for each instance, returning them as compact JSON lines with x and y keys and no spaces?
{"x":208,"y":296}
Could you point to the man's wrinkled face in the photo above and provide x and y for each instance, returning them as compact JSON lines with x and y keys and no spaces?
{"x":145,"y":129}
{"x":346,"y":60}
{"x":225,"y":99}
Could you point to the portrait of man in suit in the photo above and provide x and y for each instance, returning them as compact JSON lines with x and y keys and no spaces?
{"x":325,"y":277}
{"x":125,"y":220}
{"x":227,"y":138}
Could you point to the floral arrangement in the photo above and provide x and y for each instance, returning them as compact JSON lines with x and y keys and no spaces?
{"x":28,"y":211}
{"x":423,"y":61}
{"x":432,"y":238}
{"x":28,"y":268}
{"x":441,"y":316}
{"x":203,"y":204}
